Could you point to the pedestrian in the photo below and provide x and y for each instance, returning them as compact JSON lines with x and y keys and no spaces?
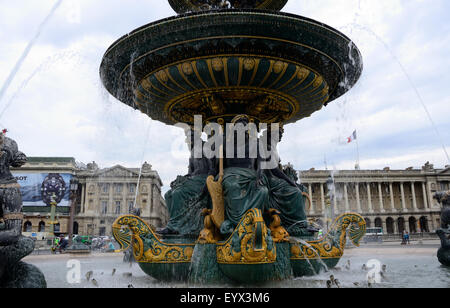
{"x":63,"y":244}
{"x":407,"y":238}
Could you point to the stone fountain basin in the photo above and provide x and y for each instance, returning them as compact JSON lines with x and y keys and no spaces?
{"x":273,"y":66}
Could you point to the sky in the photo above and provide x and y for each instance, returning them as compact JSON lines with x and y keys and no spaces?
{"x":56,"y":105}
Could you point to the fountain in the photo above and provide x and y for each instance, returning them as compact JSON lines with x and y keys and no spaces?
{"x":13,"y":246}
{"x":444,"y":232}
{"x":222,"y":64}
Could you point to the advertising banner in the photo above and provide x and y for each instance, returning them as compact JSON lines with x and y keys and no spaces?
{"x":40,"y":189}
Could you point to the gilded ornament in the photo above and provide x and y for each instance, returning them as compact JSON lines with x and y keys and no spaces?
{"x":318,"y":81}
{"x":278,"y":67}
{"x":161,"y":75}
{"x":279,"y":233}
{"x":187,"y":68}
{"x":129,"y":230}
{"x":217,"y":64}
{"x":249,"y":64}
{"x":250,"y":243}
{"x":333,"y":244}
{"x":302,"y":73}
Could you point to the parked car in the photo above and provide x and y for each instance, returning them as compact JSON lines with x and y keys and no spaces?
{"x":85,"y":239}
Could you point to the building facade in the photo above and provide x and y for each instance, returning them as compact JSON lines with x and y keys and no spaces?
{"x":36,"y":211}
{"x":102,"y":196}
{"x":395,"y":200}
{"x":111,"y":192}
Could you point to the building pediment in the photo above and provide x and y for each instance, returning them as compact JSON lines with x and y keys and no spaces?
{"x":117,"y":171}
{"x":445,"y":171}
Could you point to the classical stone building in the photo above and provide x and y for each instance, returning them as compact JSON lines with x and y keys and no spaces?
{"x":395,"y":200}
{"x":102,"y":196}
{"x":37,"y":213}
{"x":111,"y":192}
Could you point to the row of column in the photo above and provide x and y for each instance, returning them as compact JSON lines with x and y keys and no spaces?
{"x":369,"y":198}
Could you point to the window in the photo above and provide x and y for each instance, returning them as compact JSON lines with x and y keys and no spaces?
{"x":41,"y":227}
{"x":130,"y":206}
{"x":27,"y":227}
{"x":132,"y":188}
{"x":118,"y":188}
{"x":105,"y":188}
{"x":117,"y":207}
{"x":104,"y":207}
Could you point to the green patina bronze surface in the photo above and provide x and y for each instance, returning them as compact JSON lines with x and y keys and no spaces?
{"x":236,"y":260}
{"x":185,"y":206}
{"x":183,"y":6}
{"x":247,"y":61}
{"x":273,"y":66}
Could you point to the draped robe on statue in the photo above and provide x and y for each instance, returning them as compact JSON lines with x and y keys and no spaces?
{"x":285,"y":196}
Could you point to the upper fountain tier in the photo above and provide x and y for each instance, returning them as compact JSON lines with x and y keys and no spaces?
{"x":184,"y":6}
{"x":272,"y":66}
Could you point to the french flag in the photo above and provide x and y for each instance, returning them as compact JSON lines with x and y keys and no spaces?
{"x":352,"y":137}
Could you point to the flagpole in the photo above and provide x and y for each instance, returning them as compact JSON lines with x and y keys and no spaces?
{"x":357,"y":153}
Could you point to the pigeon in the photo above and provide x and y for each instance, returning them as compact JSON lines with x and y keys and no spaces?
{"x":347,"y":266}
{"x":94,"y":282}
{"x":332,"y":278}
{"x":89,"y":275}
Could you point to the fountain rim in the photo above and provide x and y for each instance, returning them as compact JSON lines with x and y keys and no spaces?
{"x":338,"y":55}
{"x":222,"y":12}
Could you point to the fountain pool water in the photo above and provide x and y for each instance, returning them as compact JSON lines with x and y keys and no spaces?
{"x":414,"y":266}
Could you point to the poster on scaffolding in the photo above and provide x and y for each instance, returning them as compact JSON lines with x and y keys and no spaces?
{"x":41,"y":189}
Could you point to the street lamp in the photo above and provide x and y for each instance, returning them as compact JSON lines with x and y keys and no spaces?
{"x":53,"y":221}
{"x":73,"y":198}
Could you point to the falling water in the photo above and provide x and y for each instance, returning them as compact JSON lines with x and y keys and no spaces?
{"x":27,"y":50}
{"x":355,"y":25}
{"x":52,"y":60}
{"x":324,"y":266}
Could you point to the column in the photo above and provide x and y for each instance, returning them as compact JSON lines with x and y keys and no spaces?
{"x":358,"y":201}
{"x":311,"y":211}
{"x":380,"y":195}
{"x":424,"y":192}
{"x":347,"y":205}
{"x":83,"y":191}
{"x":391,"y":192}
{"x":413,"y":193}
{"x":369,"y":198}
{"x":322,"y":198}
{"x":402,"y":191}
{"x":335,"y":205}
{"x":430,"y":196}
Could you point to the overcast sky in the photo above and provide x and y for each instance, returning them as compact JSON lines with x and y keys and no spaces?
{"x":56,"y":105}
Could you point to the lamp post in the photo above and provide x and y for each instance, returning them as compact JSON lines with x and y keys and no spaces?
{"x":73,"y":200}
{"x":53,"y":220}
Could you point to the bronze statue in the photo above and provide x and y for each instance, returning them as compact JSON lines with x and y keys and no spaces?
{"x":13,"y":246}
{"x":244,"y":184}
{"x":188,"y":190}
{"x":443,"y":254}
{"x":285,"y":195}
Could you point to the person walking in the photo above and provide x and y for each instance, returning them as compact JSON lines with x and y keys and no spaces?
{"x":407,"y":238}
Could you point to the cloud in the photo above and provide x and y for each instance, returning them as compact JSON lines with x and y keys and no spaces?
{"x":57,"y":106}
